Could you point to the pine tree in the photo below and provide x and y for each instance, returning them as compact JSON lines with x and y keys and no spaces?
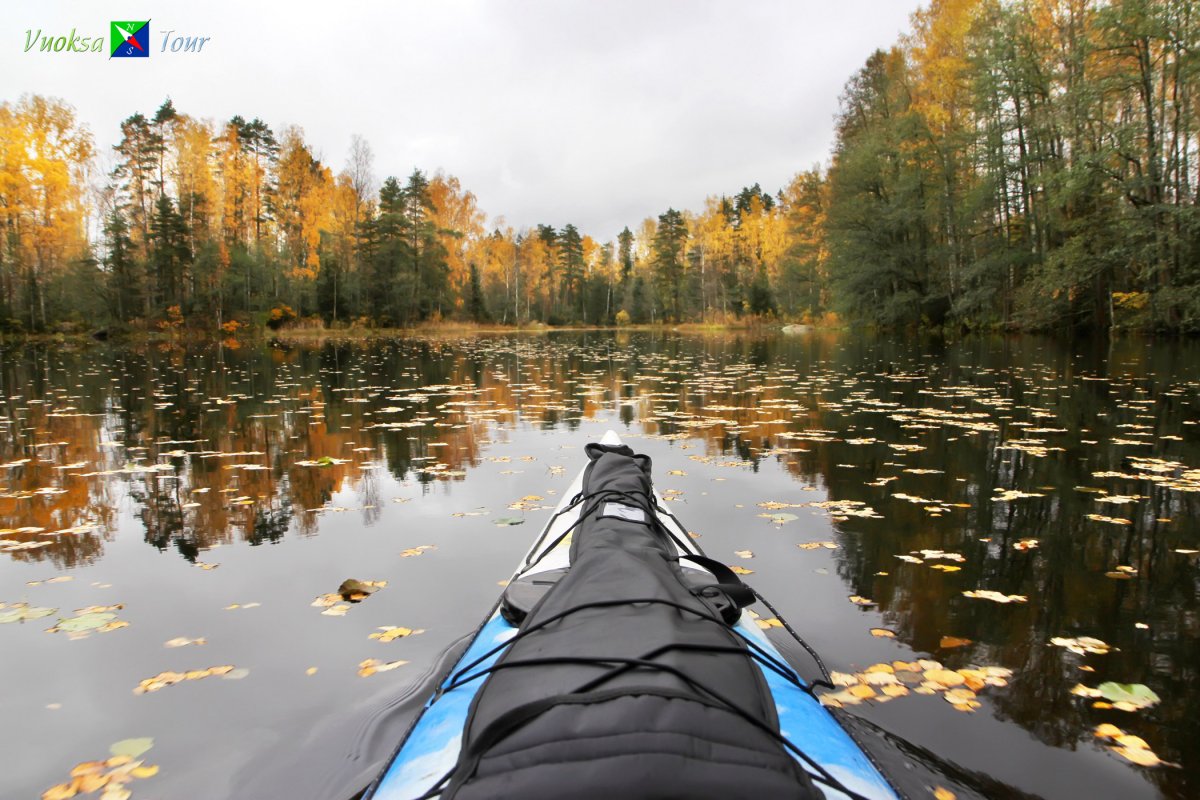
{"x":670,"y":240}
{"x":570,"y":260}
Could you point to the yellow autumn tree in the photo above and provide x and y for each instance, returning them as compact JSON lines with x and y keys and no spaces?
{"x":46,"y":158}
{"x":459,"y":223}
{"x":302,"y":205}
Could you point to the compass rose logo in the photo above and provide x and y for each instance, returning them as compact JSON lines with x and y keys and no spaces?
{"x":130,"y":39}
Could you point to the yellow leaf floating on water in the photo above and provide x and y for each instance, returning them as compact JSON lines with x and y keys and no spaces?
{"x":743,"y":553}
{"x":165,"y":679}
{"x":997,"y":597}
{"x":860,"y":601}
{"x":1082,"y":645}
{"x":924,"y":677}
{"x":945,"y":567}
{"x":815,"y":545}
{"x":742,"y":571}
{"x":387,"y":634}
{"x":1130,"y":747}
{"x":1110,"y":520}
{"x":948,"y":642}
{"x":416,"y":551}
{"x":370,"y":666}
{"x":883,"y":633}
{"x":962,"y":699}
{"x":942,"y":793}
{"x":945,"y":677}
{"x":182,"y":641}
{"x":111,"y":775}
{"x":772,"y":505}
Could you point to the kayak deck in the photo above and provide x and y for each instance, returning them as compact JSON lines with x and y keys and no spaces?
{"x":433,"y":744}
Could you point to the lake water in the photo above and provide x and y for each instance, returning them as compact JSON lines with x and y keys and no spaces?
{"x":155,"y":495}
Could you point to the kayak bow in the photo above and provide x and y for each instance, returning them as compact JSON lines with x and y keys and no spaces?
{"x":622,"y":662}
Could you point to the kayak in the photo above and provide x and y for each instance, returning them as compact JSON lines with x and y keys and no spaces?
{"x":620,"y":661}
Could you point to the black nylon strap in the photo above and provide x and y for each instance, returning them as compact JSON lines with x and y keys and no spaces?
{"x":727,"y":579}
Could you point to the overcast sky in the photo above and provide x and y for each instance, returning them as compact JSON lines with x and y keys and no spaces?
{"x":598,"y":113}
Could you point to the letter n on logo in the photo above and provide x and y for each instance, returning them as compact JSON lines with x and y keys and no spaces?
{"x":130,"y":39}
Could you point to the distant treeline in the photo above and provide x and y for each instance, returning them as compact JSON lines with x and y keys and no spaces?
{"x":1030,"y":164}
{"x":1027,"y":163}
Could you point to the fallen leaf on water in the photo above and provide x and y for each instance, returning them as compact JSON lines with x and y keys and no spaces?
{"x":998,"y":597}
{"x":860,"y":601}
{"x":945,"y":677}
{"x":165,"y":679}
{"x":183,"y":641}
{"x":310,"y":671}
{"x":416,"y":551}
{"x":99,"y":609}
{"x":1082,"y":645}
{"x":815,"y":545}
{"x":373,"y":665}
{"x":883,"y":633}
{"x":945,"y":567}
{"x":338,"y":610}
{"x":1130,"y":747}
{"x":941,"y":793}
{"x":1110,"y":520}
{"x":1140,"y":756}
{"x":742,"y":571}
{"x":948,"y":642}
{"x":1026,"y":544}
{"x":962,"y":699}
{"x":387,"y":634}
{"x":743,"y":553}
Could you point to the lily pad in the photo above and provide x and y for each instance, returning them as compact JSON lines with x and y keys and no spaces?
{"x":131,"y":747}
{"x":21,"y":612}
{"x":84,"y":622}
{"x":1136,"y":694}
{"x":509,"y":521}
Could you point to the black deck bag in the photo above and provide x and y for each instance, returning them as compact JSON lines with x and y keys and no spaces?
{"x":546,"y":725}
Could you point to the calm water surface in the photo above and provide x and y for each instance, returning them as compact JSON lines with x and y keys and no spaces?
{"x":209,"y":493}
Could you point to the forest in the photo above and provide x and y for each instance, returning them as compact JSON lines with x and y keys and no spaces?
{"x":1007,"y":164}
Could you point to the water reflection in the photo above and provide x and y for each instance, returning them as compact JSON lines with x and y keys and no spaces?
{"x":969,"y":448}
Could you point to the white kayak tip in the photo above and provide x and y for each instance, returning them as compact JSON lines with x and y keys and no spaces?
{"x":611,"y":439}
